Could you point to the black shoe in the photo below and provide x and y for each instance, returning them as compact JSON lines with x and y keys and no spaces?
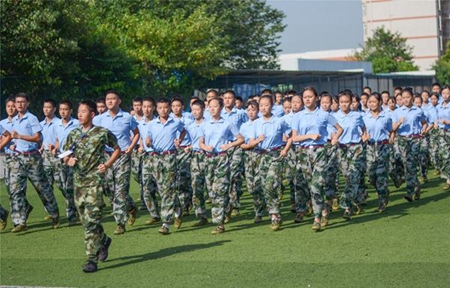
{"x":408,"y":198}
{"x":90,"y":267}
{"x":103,"y":251}
{"x":29,"y":209}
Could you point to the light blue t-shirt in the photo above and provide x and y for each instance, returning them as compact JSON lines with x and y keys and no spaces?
{"x":412,"y":125}
{"x":352,"y":124}
{"x":62,"y":131}
{"x":121,"y":126}
{"x":143,"y":132}
{"x":443,"y":113}
{"x":7,"y":125}
{"x":219,"y":132}
{"x":27,"y":125}
{"x":248,"y":130}
{"x":312,"y":122}
{"x":195,"y":131}
{"x":378,"y":128}
{"x":48,"y":135}
{"x":273,"y":131}
{"x":163,"y":135}
{"x":186,"y":119}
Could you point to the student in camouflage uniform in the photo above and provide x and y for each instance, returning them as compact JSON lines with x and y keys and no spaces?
{"x":410,"y":125}
{"x":184,"y":156}
{"x":122,"y":125}
{"x":424,"y":145}
{"x":162,"y":138}
{"x":237,"y":117}
{"x":27,"y":164}
{"x":136,"y":156}
{"x":252,"y":160}
{"x":50,"y":162}
{"x":444,"y":128}
{"x":5,"y":139}
{"x":148,"y":182}
{"x":198,"y":162}
{"x":309,"y":128}
{"x":90,"y":164}
{"x":378,"y":129}
{"x":350,"y":153}
{"x":268,"y":138}
{"x":63,"y":173}
{"x":218,"y":150}
{"x":434,"y":133}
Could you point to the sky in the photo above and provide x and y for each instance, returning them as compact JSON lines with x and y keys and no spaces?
{"x":314,"y":25}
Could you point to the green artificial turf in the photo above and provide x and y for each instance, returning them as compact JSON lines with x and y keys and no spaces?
{"x":408,"y":246}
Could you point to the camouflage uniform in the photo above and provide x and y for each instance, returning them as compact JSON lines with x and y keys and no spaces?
{"x":118,"y":184}
{"x":331,"y":186}
{"x":136,"y":170}
{"x":289,"y":172}
{"x":351,"y":164}
{"x":218,"y":182}
{"x":198,"y":168}
{"x":162,"y":168}
{"x":236,"y":170}
{"x":89,"y":183}
{"x":183,"y":179}
{"x":23,"y":166}
{"x":396,"y":165}
{"x":149,"y":186}
{"x":409,"y":149}
{"x":424,"y":155}
{"x":377,"y":169}
{"x":50,"y":163}
{"x":445,"y":153}
{"x":3,"y":213}
{"x":435,"y":149}
{"x":252,"y":162}
{"x":269,"y":175}
{"x":64,"y":182}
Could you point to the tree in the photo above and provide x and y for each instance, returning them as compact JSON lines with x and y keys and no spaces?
{"x":388,"y":52}
{"x":442,"y":67}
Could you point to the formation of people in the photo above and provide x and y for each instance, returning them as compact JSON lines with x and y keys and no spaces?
{"x":183,"y":160}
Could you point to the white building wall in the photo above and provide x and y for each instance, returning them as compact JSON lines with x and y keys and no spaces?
{"x":415,"y":20}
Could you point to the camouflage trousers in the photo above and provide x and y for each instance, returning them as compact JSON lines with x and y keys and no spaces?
{"x":50,"y":163}
{"x":289,"y":172}
{"x":117,"y":184}
{"x":136,"y":171}
{"x":198,"y":169}
{"x":409,"y":151}
{"x":149,"y":186}
{"x":361,"y":196}
{"x":3,"y":213}
{"x":270,"y":176}
{"x":377,"y":169}
{"x":7,"y":159}
{"x":161,"y":169}
{"x":332,"y":179}
{"x":64,"y":182}
{"x":23,"y":167}
{"x":302,"y":188}
{"x":253,"y":182}
{"x":435,"y":148}
{"x":445,"y":153}
{"x":236,"y":171}
{"x":424,"y":155}
{"x":218,"y":184}
{"x":183,"y":179}
{"x":313,"y":162}
{"x":350,"y":157}
{"x":89,"y":203}
{"x":396,"y":165}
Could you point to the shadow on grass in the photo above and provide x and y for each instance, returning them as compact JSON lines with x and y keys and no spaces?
{"x":163,"y":253}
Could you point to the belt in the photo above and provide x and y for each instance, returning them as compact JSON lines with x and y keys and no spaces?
{"x":182,"y":147}
{"x":310,"y":147}
{"x":169,"y":152}
{"x":32,"y":152}
{"x":110,"y":153}
{"x":377,"y":143}
{"x":264,"y":151}
{"x":349,"y":144}
{"x":209,"y":154}
{"x":414,"y":136}
{"x":198,"y":152}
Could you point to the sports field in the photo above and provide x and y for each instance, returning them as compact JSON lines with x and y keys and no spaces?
{"x":408,"y":246}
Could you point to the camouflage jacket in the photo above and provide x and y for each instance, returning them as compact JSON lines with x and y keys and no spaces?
{"x":89,"y":149}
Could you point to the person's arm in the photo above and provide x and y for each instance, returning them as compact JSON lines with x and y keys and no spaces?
{"x":339,"y":131}
{"x":286,"y":148}
{"x":133,"y":141}
{"x":5,"y":139}
{"x":105,"y":166}
{"x":36,"y":137}
{"x":239,"y":140}
{"x":424,"y":130}
{"x":300,"y":138}
{"x":201,"y":143}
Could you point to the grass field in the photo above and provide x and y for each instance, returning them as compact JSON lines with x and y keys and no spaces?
{"x":409,"y":246}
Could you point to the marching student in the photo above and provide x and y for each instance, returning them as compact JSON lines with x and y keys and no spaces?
{"x":122,"y":125}
{"x":378,"y":129}
{"x":410,"y":125}
{"x":424,"y":153}
{"x":5,"y":138}
{"x":147,"y":181}
{"x":443,"y":120}
{"x":309,"y":128}
{"x":252,"y":159}
{"x":64,"y":173}
{"x":218,"y":148}
{"x":269,"y":131}
{"x":101,"y":105}
{"x":434,"y":134}
{"x":136,"y":156}
{"x":162,"y":137}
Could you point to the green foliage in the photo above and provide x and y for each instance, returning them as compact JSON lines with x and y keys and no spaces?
{"x":81,"y":48}
{"x":388,"y":52}
{"x":442,"y":67}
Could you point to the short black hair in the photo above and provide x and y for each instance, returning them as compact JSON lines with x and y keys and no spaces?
{"x":200,"y":103}
{"x":113,"y":92}
{"x":10,"y":99}
{"x":22,"y":95}
{"x":239,"y":98}
{"x":90,"y":104}
{"x":149,"y":99}
{"x":176,"y":98}
{"x":230,"y":92}
{"x":163,"y":100}
{"x":66,"y":102}
{"x":51,"y":101}
{"x":100,"y":100}
{"x":220,"y":100}
{"x":137,"y":99}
